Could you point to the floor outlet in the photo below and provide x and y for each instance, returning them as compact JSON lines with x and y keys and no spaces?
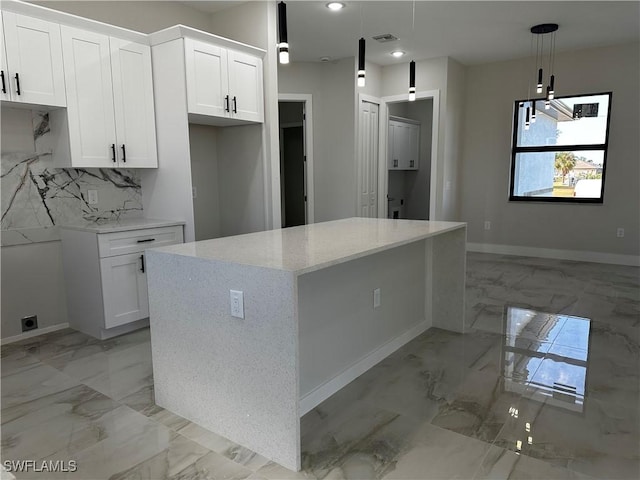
{"x":237,"y":303}
{"x":376,"y":298}
{"x":29,"y":323}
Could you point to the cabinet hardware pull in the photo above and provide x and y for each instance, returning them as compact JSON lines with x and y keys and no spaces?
{"x":18,"y":84}
{"x":235,"y":109}
{"x":124,"y":154}
{"x":142,"y":261}
{"x":113,"y":152}
{"x":226,"y":103}
{"x":4,"y":86}
{"x":147,"y":240}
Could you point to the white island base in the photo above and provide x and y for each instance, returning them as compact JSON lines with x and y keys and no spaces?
{"x":310,"y":326}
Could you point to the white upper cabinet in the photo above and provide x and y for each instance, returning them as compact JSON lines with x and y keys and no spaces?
{"x":207,"y":79}
{"x":32,"y":69}
{"x":90,"y":111}
{"x":404,"y":145}
{"x":133,"y":102}
{"x":109,"y":101}
{"x":245,"y":86}
{"x":223,"y":83}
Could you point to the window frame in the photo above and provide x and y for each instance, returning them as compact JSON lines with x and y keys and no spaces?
{"x":515,"y":149}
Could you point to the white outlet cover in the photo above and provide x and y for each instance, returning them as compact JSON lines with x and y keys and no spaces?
{"x":92,"y":197}
{"x":376,"y":298}
{"x":237,"y":303}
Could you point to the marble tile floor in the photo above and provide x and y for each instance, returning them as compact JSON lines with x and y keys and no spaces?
{"x":544,"y":385}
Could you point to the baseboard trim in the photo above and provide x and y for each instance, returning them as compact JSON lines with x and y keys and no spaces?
{"x":577,"y":255}
{"x":33,"y":333}
{"x":324,"y":391}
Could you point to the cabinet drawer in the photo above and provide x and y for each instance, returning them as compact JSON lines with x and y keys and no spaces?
{"x":132,"y":241}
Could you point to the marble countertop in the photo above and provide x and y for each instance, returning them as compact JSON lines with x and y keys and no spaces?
{"x":122,"y":225}
{"x":312,"y":247}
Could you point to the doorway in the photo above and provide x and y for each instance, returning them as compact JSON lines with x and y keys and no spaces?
{"x":296,"y":167}
{"x":409,"y":159}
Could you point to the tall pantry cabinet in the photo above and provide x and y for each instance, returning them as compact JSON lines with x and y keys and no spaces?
{"x":203,"y":79}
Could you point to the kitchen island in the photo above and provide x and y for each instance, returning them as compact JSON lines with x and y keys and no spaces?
{"x":316,"y":307}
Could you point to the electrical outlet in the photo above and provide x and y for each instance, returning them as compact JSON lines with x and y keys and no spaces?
{"x":194,"y":192}
{"x":620,"y":232}
{"x":487,"y":225}
{"x":237,"y":303}
{"x":92,"y":197}
{"x":29,"y":323}
{"x":376,"y":298}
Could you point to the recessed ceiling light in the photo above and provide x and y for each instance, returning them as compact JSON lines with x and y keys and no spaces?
{"x":397,"y":53}
{"x":335,"y":6}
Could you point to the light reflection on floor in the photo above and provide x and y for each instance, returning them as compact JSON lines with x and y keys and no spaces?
{"x":553,"y":351}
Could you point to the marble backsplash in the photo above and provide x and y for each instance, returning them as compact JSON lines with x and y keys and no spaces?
{"x":36,"y":196}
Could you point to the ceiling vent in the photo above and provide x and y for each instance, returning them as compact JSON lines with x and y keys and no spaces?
{"x":384,"y":38}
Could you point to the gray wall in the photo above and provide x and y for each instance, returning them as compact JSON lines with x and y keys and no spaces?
{"x":446,"y":76}
{"x":332,"y":86}
{"x":145,"y":17}
{"x":204,"y":179}
{"x":491,"y":91}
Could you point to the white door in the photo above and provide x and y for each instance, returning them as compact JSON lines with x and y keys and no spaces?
{"x":207,"y":79}
{"x":92,"y":130}
{"x":368,"y":165}
{"x":245,"y":87}
{"x":124,"y":289}
{"x":34,"y":59}
{"x":4,"y":73}
{"x":133,"y":104}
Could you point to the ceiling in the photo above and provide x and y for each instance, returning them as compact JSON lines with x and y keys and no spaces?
{"x":471,"y":32}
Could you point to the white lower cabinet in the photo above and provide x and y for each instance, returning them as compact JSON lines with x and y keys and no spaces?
{"x":124,"y":285}
{"x":106,"y":278}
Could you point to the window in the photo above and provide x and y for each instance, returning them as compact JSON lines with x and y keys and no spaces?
{"x":561,"y":155}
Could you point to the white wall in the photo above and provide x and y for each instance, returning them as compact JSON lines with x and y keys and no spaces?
{"x":141,"y":16}
{"x":491,"y":92}
{"x":332,"y":85}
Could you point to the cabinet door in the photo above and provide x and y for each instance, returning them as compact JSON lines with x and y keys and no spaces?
{"x":133,"y":104}
{"x":124,"y":289}
{"x":207,"y":79}
{"x":92,"y":130}
{"x":413,"y":147}
{"x":34,"y":58}
{"x":245,"y":87}
{"x":4,"y":74}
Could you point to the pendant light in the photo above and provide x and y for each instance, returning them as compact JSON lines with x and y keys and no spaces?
{"x":540,"y":31}
{"x":412,"y":81}
{"x":412,"y":64}
{"x":361,"y":53}
{"x":361,"y":71}
{"x":283,"y":46}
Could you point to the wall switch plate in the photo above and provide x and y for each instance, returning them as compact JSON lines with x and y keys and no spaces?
{"x":376,"y":298}
{"x":92,"y":197}
{"x":487,"y":225}
{"x":237,"y":303}
{"x":620,"y":232}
